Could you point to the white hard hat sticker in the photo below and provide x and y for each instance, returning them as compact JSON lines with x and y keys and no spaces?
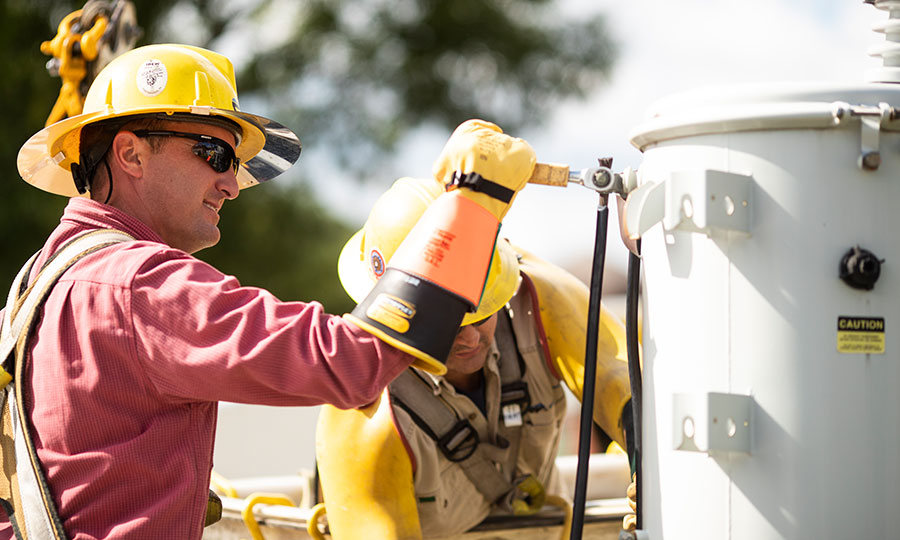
{"x":152,"y":78}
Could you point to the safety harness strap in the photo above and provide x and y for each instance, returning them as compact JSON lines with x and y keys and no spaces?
{"x":37,"y":511}
{"x":514,"y":396}
{"x":9,"y":334}
{"x":456,"y":437}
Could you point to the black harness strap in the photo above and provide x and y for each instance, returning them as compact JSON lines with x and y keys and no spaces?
{"x":476,"y":182}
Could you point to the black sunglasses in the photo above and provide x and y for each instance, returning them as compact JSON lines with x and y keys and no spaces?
{"x":217,"y":153}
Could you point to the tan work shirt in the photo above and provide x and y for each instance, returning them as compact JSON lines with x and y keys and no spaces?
{"x":448,"y":502}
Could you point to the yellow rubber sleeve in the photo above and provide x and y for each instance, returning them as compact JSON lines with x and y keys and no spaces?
{"x":366,"y":474}
{"x":563,"y":301}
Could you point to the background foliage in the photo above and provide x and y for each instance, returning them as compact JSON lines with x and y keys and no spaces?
{"x":353,"y":76}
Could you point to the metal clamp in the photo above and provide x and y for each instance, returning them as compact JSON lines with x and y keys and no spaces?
{"x":702,"y":201}
{"x":869,"y":154}
{"x":697,"y":201}
{"x":712,"y":422}
{"x":871,"y":119}
{"x":600,"y":179}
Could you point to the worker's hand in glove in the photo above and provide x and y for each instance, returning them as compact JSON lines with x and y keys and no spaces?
{"x":488,"y":166}
{"x":629,"y":522}
{"x":438,"y":273}
{"x":528,"y":497}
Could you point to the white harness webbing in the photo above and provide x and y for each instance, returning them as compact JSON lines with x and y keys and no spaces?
{"x":40,"y":520}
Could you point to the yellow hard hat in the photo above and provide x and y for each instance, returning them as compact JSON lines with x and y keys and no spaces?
{"x":366,"y":255}
{"x":168,"y":81}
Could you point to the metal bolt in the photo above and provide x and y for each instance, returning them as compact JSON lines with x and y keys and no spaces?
{"x":870,"y":161}
{"x":602,"y":178}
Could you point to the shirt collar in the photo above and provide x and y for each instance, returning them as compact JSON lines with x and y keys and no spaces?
{"x":86,"y":213}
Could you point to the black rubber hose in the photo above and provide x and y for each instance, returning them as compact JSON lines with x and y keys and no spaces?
{"x":632,"y":300}
{"x":590,"y":371}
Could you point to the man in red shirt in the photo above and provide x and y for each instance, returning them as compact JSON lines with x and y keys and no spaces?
{"x":138,"y":341}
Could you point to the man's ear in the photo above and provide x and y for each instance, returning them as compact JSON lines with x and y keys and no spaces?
{"x":130,"y":153}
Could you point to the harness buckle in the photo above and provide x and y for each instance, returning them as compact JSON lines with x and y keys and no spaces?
{"x":460,"y":442}
{"x":515,"y":393}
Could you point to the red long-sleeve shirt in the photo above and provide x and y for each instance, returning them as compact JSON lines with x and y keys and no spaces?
{"x":137,"y":344}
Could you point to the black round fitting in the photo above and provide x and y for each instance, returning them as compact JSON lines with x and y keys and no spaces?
{"x":860,"y":268}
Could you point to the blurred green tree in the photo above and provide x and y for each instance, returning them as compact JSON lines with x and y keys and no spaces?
{"x":353,"y":76}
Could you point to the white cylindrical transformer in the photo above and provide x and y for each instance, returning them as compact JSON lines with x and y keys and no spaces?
{"x":771,"y":302}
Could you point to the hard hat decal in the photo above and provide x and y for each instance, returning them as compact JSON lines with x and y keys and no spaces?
{"x":376,"y":263}
{"x":152,"y":77}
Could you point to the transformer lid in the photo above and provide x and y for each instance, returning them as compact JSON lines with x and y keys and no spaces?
{"x":764,"y":106}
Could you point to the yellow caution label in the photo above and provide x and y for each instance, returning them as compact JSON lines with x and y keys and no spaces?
{"x":860,"y":335}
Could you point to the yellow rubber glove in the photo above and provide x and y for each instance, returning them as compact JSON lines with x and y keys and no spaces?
{"x":528,"y":497}
{"x":480,"y":147}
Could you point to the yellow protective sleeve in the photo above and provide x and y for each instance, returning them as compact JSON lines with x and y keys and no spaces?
{"x":563,"y":300}
{"x":366,"y":474}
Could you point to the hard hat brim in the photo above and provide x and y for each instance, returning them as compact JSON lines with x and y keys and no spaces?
{"x":502,"y":281}
{"x":266,"y":149}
